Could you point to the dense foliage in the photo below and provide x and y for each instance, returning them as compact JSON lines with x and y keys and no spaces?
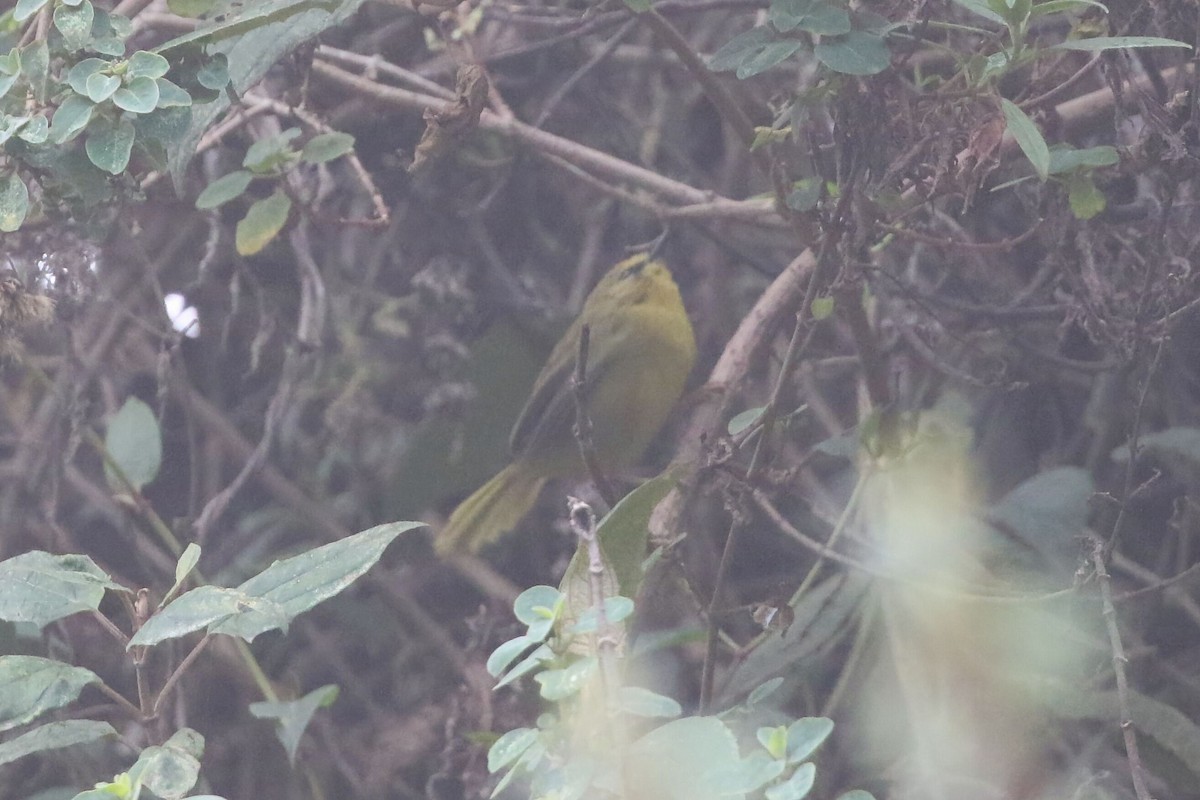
{"x":281,"y":273}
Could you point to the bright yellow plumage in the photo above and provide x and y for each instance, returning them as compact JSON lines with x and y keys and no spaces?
{"x":641,"y":349}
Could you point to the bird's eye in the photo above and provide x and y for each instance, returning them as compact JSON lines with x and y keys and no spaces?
{"x":634,"y":269}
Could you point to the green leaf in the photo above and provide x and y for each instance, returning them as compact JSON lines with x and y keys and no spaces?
{"x":186,"y":563}
{"x":33,"y":686}
{"x":263,"y":221}
{"x":822,"y":308}
{"x":1167,"y":725}
{"x":170,"y":95}
{"x":559,"y":684}
{"x":805,"y":194}
{"x":538,"y":607}
{"x":855,"y":53}
{"x":138,"y":96}
{"x":1059,"y":6}
{"x":35,"y":66}
{"x":740,"y":48}
{"x":749,"y":775}
{"x":109,"y":32}
{"x":170,"y":770}
{"x":14,"y":202}
{"x":701,"y":751}
{"x":616,"y":610}
{"x":79,"y":74}
{"x":805,"y":735}
{"x":25,"y":9}
{"x":773,"y":739}
{"x":9,"y":126}
{"x":1085,"y":197}
{"x":204,"y":607}
{"x":223,"y":189}
{"x":795,"y":787}
{"x":159,"y":131}
{"x":542,"y":655}
{"x":1178,"y":448}
{"x":326,"y":147}
{"x":215,"y":73}
{"x":743,"y":420}
{"x":763,"y":691}
{"x":820,"y":615}
{"x":645,"y":703}
{"x":41,"y":588}
{"x":980,"y":7}
{"x":54,"y":736}
{"x":144,"y":64}
{"x":1098,"y":43}
{"x":623,"y":534}
{"x":1028,"y":137}
{"x":1046,"y":511}
{"x":134,"y":442}
{"x":191,"y":8}
{"x":297,"y":584}
{"x":75,"y":24}
{"x":267,"y":153}
{"x":1066,"y":159}
{"x":36,"y":131}
{"x":769,"y":55}
{"x":251,"y":18}
{"x":100,"y":87}
{"x":814,"y":16}
{"x":70,"y":119}
{"x":253,"y":42}
{"x":509,"y":747}
{"x":6,"y":83}
{"x":292,"y":716}
{"x":507,"y":653}
{"x":109,"y":144}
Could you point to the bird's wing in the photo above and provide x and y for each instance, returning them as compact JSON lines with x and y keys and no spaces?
{"x":550,"y":410}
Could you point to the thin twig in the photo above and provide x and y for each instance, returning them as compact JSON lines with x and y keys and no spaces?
{"x":583,"y":422}
{"x":722,"y":99}
{"x":178,"y":673}
{"x":1136,"y":770}
{"x":570,"y":83}
{"x":595,"y":161}
{"x":708,"y":671}
{"x":583,"y":524}
{"x":1134,"y":434}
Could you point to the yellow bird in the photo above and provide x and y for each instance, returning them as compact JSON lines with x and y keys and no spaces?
{"x":641,"y":349}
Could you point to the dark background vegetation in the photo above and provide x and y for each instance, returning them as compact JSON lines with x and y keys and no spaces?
{"x":1063,"y":338}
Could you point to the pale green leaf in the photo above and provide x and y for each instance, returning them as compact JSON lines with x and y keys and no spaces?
{"x":1099,"y":43}
{"x":1027,"y":136}
{"x":298,"y":583}
{"x":263,"y":221}
{"x":75,"y":24}
{"x":54,"y":736}
{"x":855,"y":53}
{"x":326,"y":147}
{"x":32,"y":686}
{"x":14,"y":202}
{"x":292,"y":716}
{"x":134,"y":443}
{"x":138,"y":96}
{"x":41,"y":588}
{"x":223,"y":189}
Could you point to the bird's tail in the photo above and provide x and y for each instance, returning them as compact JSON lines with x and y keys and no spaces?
{"x":495,"y":508}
